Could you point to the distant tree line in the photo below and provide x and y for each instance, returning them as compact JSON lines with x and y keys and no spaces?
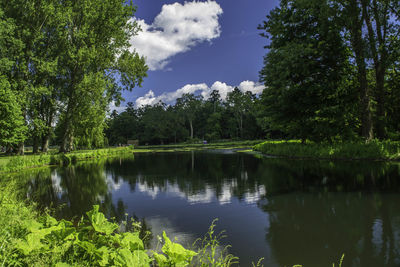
{"x":332,"y":70}
{"x":191,"y":118}
{"x":61,"y":64}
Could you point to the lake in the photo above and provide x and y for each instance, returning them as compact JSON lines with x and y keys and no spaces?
{"x":287,"y":211}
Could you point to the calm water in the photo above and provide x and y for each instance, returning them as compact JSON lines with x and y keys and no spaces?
{"x":289,"y":212}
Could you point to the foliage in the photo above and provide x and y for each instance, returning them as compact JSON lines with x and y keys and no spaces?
{"x":331,"y":70}
{"x":64,"y":62}
{"x":12,"y":128}
{"x":374,"y":150}
{"x":190,"y":119}
{"x":306,"y":71}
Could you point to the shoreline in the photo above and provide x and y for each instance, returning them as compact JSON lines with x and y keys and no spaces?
{"x":385,"y":151}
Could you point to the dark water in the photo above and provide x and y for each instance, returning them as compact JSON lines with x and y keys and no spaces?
{"x":289,"y":212}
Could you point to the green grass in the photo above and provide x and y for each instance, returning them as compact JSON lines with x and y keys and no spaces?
{"x":17,"y":163}
{"x":374,"y":150}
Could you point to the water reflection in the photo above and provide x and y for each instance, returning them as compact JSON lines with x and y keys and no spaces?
{"x":287,"y":211}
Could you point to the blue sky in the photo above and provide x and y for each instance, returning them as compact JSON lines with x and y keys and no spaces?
{"x":199,"y":46}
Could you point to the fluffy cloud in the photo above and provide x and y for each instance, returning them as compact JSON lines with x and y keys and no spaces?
{"x":201,"y":89}
{"x":176,"y":29}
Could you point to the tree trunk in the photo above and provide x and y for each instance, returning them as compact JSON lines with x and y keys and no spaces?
{"x":377,"y":35}
{"x":35,"y":145}
{"x":191,"y":129}
{"x":241,"y":125}
{"x":357,"y":43}
{"x":45,"y":143}
{"x":68,"y":139}
{"x":21,"y":149}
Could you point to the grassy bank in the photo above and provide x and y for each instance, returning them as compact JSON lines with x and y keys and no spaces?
{"x":375,"y":150}
{"x":17,"y":163}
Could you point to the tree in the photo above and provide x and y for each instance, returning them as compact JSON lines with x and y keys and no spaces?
{"x":97,"y":65}
{"x":12,"y":127}
{"x":240,"y":104}
{"x":305,"y":71}
{"x":188,"y":105}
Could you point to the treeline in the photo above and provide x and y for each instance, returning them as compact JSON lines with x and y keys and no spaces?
{"x":61,"y":64}
{"x":332,"y":71}
{"x":191,"y":118}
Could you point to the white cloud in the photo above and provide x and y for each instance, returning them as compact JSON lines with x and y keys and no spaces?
{"x":176,"y":29}
{"x":113,"y":107}
{"x":201,"y":89}
{"x":255,"y":88}
{"x":147,"y":99}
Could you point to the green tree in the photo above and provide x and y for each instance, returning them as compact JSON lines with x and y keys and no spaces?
{"x":305,"y":71}
{"x":188,"y":105}
{"x":12,"y":125}
{"x":97,"y":65}
{"x":240,"y":104}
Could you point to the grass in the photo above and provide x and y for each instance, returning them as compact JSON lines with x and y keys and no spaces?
{"x":374,"y":150}
{"x":17,"y":163}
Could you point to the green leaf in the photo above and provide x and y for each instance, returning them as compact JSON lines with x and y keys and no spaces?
{"x":176,"y":252}
{"x":160,"y":259}
{"x":137,"y":258}
{"x":132,"y":241}
{"x":99,"y":222}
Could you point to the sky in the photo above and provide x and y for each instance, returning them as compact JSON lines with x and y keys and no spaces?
{"x":198,"y":46}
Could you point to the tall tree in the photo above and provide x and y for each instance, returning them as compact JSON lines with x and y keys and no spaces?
{"x":353,"y":15}
{"x":383,"y":30}
{"x":97,"y":64}
{"x":239,"y":103}
{"x":305,"y":70}
{"x":12,"y":124}
{"x":188,"y":105}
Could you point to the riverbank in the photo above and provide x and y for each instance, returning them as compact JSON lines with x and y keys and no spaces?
{"x":17,"y":163}
{"x":375,"y":150}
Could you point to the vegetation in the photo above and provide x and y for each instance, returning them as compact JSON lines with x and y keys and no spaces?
{"x":191,"y":119}
{"x":374,"y":150}
{"x":331,"y":72}
{"x":62,"y":63}
{"x":16,"y":163}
